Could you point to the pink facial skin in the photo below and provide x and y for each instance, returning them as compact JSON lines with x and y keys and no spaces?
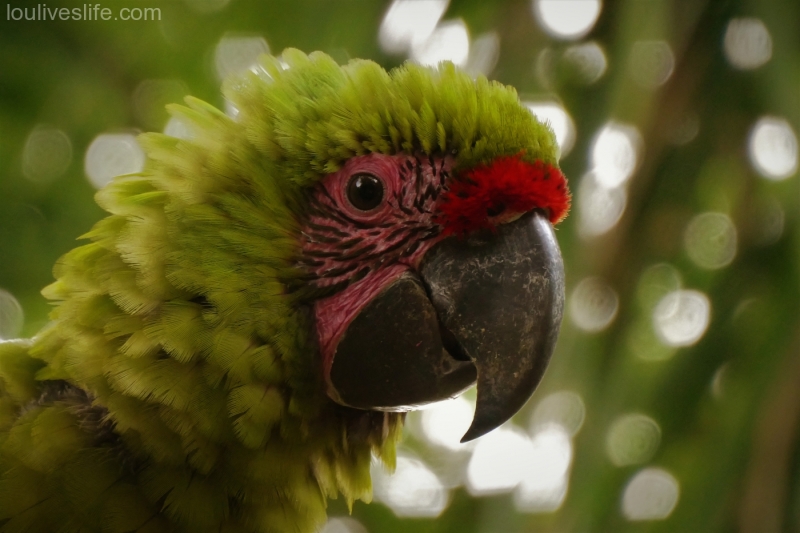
{"x":361,"y":251}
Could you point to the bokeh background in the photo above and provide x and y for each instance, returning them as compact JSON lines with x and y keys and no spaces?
{"x":673,"y":399}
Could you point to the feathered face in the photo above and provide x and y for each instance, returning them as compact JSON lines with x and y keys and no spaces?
{"x":434,"y":276}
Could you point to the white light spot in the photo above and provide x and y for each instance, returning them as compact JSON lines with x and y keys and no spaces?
{"x":632,"y":439}
{"x":588,"y":59}
{"x":681,"y":317}
{"x":343,"y":524}
{"x":747,"y":43}
{"x":46,"y":155}
{"x":615,"y":153}
{"x":651,"y":494}
{"x":177,"y":128}
{"x":563,"y":408}
{"x":593,"y":305}
{"x":498,"y":463}
{"x":599,"y":207}
{"x":413,"y":490}
{"x":651,"y":63}
{"x":710,"y":240}
{"x":450,"y":42}
{"x":545,"y":475}
{"x":112,"y":154}
{"x":483,"y":54}
{"x":772,"y":148}
{"x":560,"y":122}
{"x":11,"y":316}
{"x":408,"y":23}
{"x":151,"y":97}
{"x":236,"y":54}
{"x":444,"y":423}
{"x":567,"y":19}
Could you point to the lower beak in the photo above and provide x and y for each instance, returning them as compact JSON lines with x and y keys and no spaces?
{"x":488,"y":307}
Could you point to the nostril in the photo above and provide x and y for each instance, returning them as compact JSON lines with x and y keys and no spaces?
{"x":495,"y":210}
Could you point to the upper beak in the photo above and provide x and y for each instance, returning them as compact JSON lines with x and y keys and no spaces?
{"x":489,"y":305}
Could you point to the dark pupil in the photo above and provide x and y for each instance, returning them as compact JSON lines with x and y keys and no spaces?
{"x":365,"y":191}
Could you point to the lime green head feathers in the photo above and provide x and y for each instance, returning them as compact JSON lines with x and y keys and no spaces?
{"x":307,"y":115}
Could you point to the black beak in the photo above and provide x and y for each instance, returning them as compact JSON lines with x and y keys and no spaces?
{"x":489,"y":305}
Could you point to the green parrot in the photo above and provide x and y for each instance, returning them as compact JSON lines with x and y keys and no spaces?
{"x":266,"y":299}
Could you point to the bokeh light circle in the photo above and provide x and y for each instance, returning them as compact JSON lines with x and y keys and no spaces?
{"x":567,"y":19}
{"x":632,"y":439}
{"x":681,"y":317}
{"x":593,"y":304}
{"x":747,"y":43}
{"x":12,"y":317}
{"x":651,"y":494}
{"x":112,"y":154}
{"x":772,"y":147}
{"x":47,"y":154}
{"x":710,"y":240}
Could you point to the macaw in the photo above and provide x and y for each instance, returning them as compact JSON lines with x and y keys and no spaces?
{"x":265,"y":300}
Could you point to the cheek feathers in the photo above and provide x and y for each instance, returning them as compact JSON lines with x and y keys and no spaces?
{"x":509,"y":186}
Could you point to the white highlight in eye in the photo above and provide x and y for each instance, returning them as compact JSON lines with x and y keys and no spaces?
{"x":444,"y":423}
{"x":563,"y":408}
{"x":651,"y":494}
{"x":710,"y":240}
{"x":567,"y":19}
{"x":236,"y":54}
{"x":772,"y":147}
{"x":408,"y":23}
{"x":449,"y":42}
{"x":747,"y":43}
{"x":412,"y":491}
{"x":559,"y":120}
{"x":615,"y":153}
{"x":11,"y":316}
{"x":47,"y":154}
{"x":651,"y":63}
{"x":588,"y":59}
{"x":632,"y":439}
{"x":599,"y":207}
{"x":681,"y":317}
{"x":112,"y":154}
{"x":593,"y":305}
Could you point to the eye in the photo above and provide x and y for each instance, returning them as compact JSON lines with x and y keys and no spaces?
{"x":365,"y":191}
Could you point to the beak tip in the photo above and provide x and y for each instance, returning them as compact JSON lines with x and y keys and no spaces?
{"x":472,"y":434}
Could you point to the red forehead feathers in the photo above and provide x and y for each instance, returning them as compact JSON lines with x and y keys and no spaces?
{"x":479,"y":197}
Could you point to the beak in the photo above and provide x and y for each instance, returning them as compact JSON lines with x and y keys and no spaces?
{"x":485,"y":308}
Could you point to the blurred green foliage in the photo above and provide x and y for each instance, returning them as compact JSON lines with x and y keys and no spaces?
{"x":733,"y":447}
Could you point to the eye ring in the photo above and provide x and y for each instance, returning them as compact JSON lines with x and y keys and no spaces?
{"x":365,"y":191}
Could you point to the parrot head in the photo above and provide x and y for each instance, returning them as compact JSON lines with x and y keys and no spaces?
{"x":427,"y":253}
